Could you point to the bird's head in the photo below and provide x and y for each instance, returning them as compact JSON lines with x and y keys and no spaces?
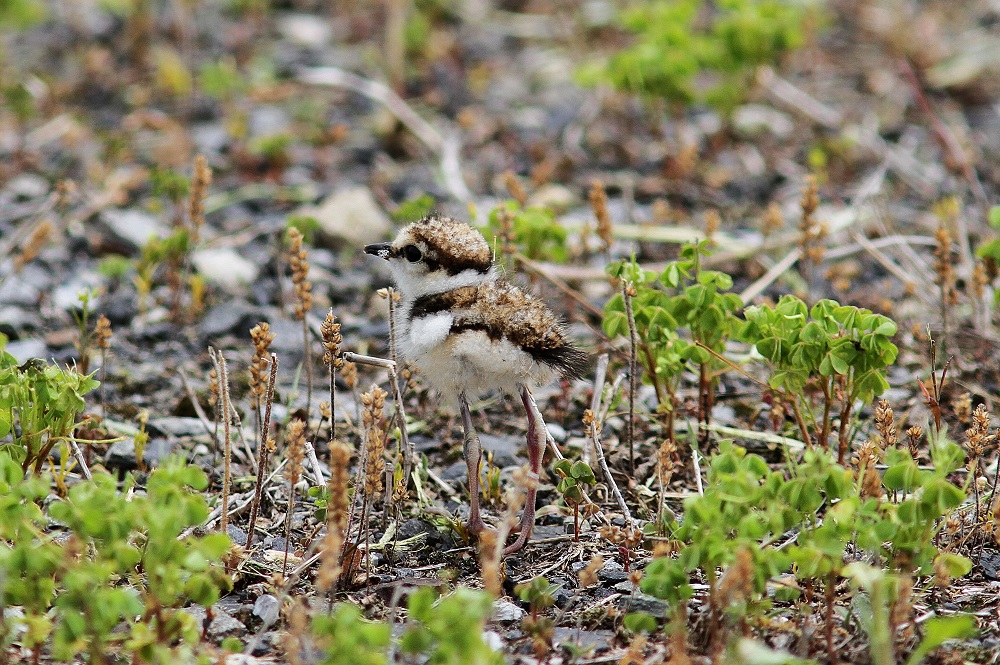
{"x":434,"y":255}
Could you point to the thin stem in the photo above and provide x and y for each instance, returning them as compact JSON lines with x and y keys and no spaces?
{"x":633,"y":344}
{"x":262,"y":448}
{"x":227,"y":439}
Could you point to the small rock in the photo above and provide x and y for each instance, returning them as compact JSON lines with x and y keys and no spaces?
{"x":557,"y":431}
{"x":121,"y":454}
{"x":266,"y":608}
{"x":28,"y":186}
{"x":25,"y":349}
{"x":612,"y":571}
{"x":505,"y":611}
{"x":24,"y":288}
{"x":176,"y":426}
{"x":305,"y":30}
{"x":990,"y":564}
{"x":210,"y":138}
{"x":236,"y":534}
{"x":350,"y":216}
{"x":493,"y":640}
{"x":641,"y":602}
{"x":415,"y":527}
{"x":453,"y":473}
{"x":268,"y":121}
{"x":230,"y":317}
{"x":225,"y":268}
{"x":624,"y":587}
{"x":504,"y":449}
{"x":133,"y":226}
{"x":223,"y":624}
{"x":551,"y":196}
{"x":66,"y":296}
{"x":754,"y":119}
{"x":599,"y":640}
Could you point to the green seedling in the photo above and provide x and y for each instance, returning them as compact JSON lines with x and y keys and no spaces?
{"x":449,"y":630}
{"x":686,"y":299}
{"x":575,"y":478}
{"x":536,"y":233}
{"x":39,"y":406}
{"x":104,"y":570}
{"x":679,"y":44}
{"x":344,"y":636}
{"x":416,"y":208}
{"x":843,"y":350}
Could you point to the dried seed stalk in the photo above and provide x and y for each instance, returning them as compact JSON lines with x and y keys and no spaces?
{"x":332,"y":339}
{"x":298,"y":259}
{"x":599,"y":204}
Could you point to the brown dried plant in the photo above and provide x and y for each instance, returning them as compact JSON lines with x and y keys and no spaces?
{"x":713,"y":220}
{"x":811,"y":232}
{"x":34,"y":244}
{"x":944,"y":272}
{"x":294,"y":640}
{"x":914,"y":435}
{"x":102,"y":339}
{"x":772,"y":220}
{"x":295,"y":451}
{"x":865,"y":461}
{"x":375,"y":427}
{"x":298,"y":260}
{"x":199,"y":190}
{"x":599,"y":204}
{"x":886,"y":425}
{"x":978,"y":442}
{"x":588,"y":574}
{"x":507,"y":236}
{"x":332,"y":339}
{"x":489,"y":562}
{"x":515,"y":188}
{"x":337,"y":518}
{"x":265,"y":446}
{"x":261,"y":336}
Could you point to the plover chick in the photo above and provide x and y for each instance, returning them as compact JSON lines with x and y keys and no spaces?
{"x":470,"y":332}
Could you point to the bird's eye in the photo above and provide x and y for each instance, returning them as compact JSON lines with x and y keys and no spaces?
{"x":412,"y":253}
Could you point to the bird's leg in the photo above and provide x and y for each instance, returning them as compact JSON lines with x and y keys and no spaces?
{"x":536,"y":445}
{"x":473,"y":452}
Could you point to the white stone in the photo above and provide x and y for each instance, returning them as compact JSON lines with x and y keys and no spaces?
{"x":752,"y":119}
{"x":134,"y":226}
{"x":305,"y":29}
{"x":505,"y":611}
{"x":351,"y":216}
{"x":224,"y":268}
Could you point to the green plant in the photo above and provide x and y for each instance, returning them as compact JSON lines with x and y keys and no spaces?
{"x":119,"y":561}
{"x":683,"y":297}
{"x":843,"y":350}
{"x":575,"y":478}
{"x":411,"y":209}
{"x":21,"y":14}
{"x":679,"y":43}
{"x":449,"y":630}
{"x":345,"y":637}
{"x":535,"y":231}
{"x":747,"y":508}
{"x":540,"y":595}
{"x":39,"y":406}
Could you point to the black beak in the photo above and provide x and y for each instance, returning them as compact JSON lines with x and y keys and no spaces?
{"x":383,"y":250}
